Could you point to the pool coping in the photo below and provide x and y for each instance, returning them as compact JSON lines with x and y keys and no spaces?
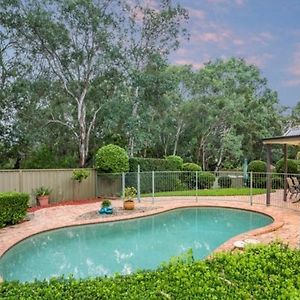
{"x":266,"y":234}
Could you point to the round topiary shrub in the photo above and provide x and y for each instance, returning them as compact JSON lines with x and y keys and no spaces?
{"x":291,"y":164}
{"x":112,"y":159}
{"x":206,"y":180}
{"x":191,"y":167}
{"x":176,"y":162}
{"x":224,"y":181}
{"x":258,"y":166}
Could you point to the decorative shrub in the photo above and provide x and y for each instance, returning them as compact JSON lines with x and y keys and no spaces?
{"x":13,"y":207}
{"x":258,"y":166}
{"x":42,"y":191}
{"x":291,"y":164}
{"x":191,"y":167}
{"x":224,"y":181}
{"x":150,"y":164}
{"x":112,"y":159}
{"x":175,"y":161}
{"x":105,"y":203}
{"x":260,"y":272}
{"x":80,"y":174}
{"x":130,"y":192}
{"x":206,"y":180}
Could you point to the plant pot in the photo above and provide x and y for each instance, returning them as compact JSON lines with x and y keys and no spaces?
{"x":128,"y":204}
{"x":43,"y":200}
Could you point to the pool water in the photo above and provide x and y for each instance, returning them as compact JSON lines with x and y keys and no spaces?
{"x":125,"y":246}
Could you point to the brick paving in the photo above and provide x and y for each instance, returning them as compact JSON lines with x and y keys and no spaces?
{"x":286,"y":225}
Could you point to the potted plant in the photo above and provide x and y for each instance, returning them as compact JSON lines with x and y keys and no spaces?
{"x":42,"y":194}
{"x":106,"y":207}
{"x":130,"y":193}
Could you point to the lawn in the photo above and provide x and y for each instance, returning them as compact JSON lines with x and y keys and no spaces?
{"x":210,"y":192}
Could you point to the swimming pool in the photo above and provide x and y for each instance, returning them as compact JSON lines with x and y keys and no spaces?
{"x":125,"y":246}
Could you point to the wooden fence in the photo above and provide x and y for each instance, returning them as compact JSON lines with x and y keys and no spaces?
{"x":58,"y":180}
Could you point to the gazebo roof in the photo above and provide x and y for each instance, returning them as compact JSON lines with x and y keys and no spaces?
{"x":291,"y":137}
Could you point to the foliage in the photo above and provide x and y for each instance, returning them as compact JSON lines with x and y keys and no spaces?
{"x":176,"y":161}
{"x":130,"y":193}
{"x":106,"y":203}
{"x":80,"y":174}
{"x":13,"y":207}
{"x":224,"y":181}
{"x":291,"y":165}
{"x":260,"y":272}
{"x":191,"y":167}
{"x":42,"y":191}
{"x":151,"y":164}
{"x":258,"y":166}
{"x":206,"y":180}
{"x":112,"y":159}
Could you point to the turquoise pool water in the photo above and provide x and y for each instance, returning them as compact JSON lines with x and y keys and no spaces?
{"x":125,"y":246}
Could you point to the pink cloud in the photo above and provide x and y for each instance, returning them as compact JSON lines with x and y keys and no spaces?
{"x":259,"y":60}
{"x":263,"y":37}
{"x":196,"y":13}
{"x":295,"y":68}
{"x":292,"y":82}
{"x":227,"y":2}
{"x":213,"y":37}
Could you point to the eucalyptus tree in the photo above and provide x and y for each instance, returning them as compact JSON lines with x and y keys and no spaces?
{"x":151,"y":33}
{"x":231,"y":99}
{"x":74,"y":43}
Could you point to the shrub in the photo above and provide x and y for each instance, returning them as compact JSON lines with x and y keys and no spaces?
{"x":224,"y":181}
{"x":175,"y":161}
{"x":258,"y":166}
{"x":260,"y":272}
{"x":191,"y":167}
{"x":80,"y":174}
{"x":13,"y":207}
{"x":291,"y":164}
{"x":106,"y":203}
{"x":150,"y":164}
{"x":112,"y":159}
{"x":206,"y":180}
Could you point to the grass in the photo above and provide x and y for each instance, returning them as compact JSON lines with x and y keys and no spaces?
{"x":210,"y":192}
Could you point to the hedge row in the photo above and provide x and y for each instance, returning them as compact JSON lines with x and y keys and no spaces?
{"x":261,"y":272}
{"x":152,"y":164}
{"x":13,"y":207}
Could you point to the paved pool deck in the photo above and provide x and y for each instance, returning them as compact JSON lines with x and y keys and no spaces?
{"x":285,"y":228}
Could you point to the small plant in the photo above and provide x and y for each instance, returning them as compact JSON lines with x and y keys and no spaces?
{"x":80,"y":174}
{"x":105,"y":203}
{"x":130,"y":193}
{"x":42,"y":191}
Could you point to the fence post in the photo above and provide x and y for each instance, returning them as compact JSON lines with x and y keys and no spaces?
{"x":139,"y":184}
{"x":153,"y":187}
{"x":251,"y":186}
{"x":20,"y":181}
{"x":196,"y":186}
{"x":123,"y":186}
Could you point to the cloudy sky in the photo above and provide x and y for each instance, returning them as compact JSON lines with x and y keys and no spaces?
{"x":264,"y":32}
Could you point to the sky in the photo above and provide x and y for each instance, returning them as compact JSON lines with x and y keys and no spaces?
{"x":263,"y":32}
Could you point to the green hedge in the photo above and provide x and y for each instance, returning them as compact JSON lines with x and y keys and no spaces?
{"x":258,"y":166}
{"x":291,"y":164}
{"x":261,"y":272}
{"x":151,"y":164}
{"x":176,"y":161}
{"x":13,"y":207}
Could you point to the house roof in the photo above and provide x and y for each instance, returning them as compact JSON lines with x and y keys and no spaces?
{"x":291,"y":137}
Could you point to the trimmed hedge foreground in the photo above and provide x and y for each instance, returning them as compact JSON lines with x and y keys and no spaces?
{"x":261,"y":272}
{"x":13,"y":207}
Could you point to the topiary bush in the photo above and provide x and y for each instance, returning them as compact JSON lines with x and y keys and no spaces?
{"x":291,"y":164}
{"x":13,"y":207}
{"x":150,"y":164}
{"x":191,"y":167}
{"x":224,"y":181}
{"x":258,"y":166}
{"x":112,"y":159}
{"x":176,"y":162}
{"x":206,"y":180}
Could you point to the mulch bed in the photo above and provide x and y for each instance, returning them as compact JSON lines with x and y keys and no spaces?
{"x":63,"y":203}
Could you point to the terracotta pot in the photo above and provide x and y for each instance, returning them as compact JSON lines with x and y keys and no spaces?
{"x":128,"y":204}
{"x":44,"y":200}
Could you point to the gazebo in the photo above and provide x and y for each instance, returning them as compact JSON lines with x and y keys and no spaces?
{"x":291,"y":137}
